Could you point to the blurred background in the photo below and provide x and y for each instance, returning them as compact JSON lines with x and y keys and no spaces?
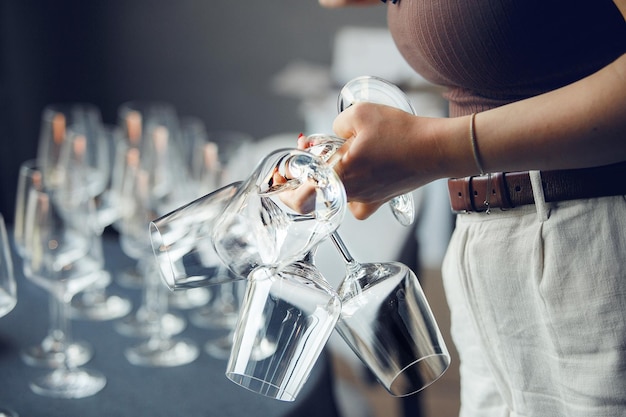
{"x":266,"y":68}
{"x":211,"y":59}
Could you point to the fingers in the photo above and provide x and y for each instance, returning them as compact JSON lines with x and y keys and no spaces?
{"x":362,"y":211}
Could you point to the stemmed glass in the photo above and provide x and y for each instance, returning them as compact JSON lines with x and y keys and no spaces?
{"x":62,"y":252}
{"x":387,"y":322}
{"x":385,"y":318}
{"x":85,"y":158}
{"x":152,"y":319}
{"x":8,"y":289}
{"x":54,"y":348}
{"x":258,"y":229}
{"x":377,"y":90}
{"x":140,"y":121}
{"x":221,"y":157}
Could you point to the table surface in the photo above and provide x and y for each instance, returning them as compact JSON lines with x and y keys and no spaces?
{"x":196,"y":389}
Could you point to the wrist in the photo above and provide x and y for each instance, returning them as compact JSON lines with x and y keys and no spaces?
{"x":453,"y":144}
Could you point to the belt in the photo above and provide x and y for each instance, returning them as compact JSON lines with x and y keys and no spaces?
{"x":514,"y":189}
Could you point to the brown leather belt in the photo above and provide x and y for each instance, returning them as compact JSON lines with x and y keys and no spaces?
{"x":513,"y":189}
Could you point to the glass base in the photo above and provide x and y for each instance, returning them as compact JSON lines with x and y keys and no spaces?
{"x":163,"y":353}
{"x":63,"y":383}
{"x":139,"y":325}
{"x":106,"y":307}
{"x":51,"y":353}
{"x":210,"y":317}
{"x":219,"y":348}
{"x":188,"y":299}
{"x":5,"y":412}
{"x":130,"y":278}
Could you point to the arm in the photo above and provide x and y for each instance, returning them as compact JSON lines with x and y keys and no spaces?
{"x":390,"y":152}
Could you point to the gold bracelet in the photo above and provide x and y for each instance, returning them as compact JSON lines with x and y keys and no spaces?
{"x":472,"y":132}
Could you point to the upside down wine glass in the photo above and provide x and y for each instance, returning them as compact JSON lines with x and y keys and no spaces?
{"x":247,"y":224}
{"x":386,"y":320}
{"x":377,"y":90}
{"x":286,"y":319}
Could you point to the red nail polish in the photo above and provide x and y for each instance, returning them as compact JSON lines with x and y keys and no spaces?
{"x":300,"y":135}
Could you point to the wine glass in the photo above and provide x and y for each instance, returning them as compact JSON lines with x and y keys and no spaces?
{"x":56,"y":119}
{"x":135,"y":198}
{"x":249,"y":225}
{"x":286,"y":318}
{"x":152,"y":319}
{"x":377,"y":90}
{"x":8,"y":289}
{"x":145,"y":125}
{"x":387,"y":322}
{"x":85,"y":161}
{"x":54,"y":348}
{"x":61,"y":254}
{"x":221,"y":158}
{"x":258,"y":229}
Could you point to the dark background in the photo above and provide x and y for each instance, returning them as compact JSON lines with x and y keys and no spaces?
{"x":209,"y":58}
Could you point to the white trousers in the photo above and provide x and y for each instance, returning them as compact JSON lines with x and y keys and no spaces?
{"x":538,"y":305}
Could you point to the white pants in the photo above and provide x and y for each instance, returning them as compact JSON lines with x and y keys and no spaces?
{"x":538,"y":302}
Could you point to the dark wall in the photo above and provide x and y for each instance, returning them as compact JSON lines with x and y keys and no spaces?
{"x":211,"y":59}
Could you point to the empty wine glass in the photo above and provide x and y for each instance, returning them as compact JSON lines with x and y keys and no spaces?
{"x":286,"y":318}
{"x":220,"y":158}
{"x":258,"y":229}
{"x":152,"y":319}
{"x":8,"y":289}
{"x":86,"y":166}
{"x":147,"y":126}
{"x":250,"y":226}
{"x":56,"y":119}
{"x":54,"y":348}
{"x":377,"y":90}
{"x":387,"y":322}
{"x":135,"y":196}
{"x":61,"y":255}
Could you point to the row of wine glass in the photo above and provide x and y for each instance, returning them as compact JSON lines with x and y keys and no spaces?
{"x":88,"y":176}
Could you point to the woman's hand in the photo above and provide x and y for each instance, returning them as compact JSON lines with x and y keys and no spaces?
{"x":388,"y":152}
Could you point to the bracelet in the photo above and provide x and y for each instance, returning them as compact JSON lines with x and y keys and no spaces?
{"x":472,"y":133}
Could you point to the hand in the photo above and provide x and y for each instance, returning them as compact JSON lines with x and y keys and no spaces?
{"x":333,"y":4}
{"x":386,"y":154}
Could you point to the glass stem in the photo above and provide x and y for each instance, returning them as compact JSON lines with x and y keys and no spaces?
{"x":343,"y":250}
{"x":155,"y":300}
{"x":56,"y":333}
{"x":65,"y":327}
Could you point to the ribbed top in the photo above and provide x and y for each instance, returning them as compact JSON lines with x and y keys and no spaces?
{"x":493,"y":52}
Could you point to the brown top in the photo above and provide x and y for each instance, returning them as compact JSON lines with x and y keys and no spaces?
{"x":493,"y":52}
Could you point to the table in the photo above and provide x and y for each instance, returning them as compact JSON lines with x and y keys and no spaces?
{"x":196,"y":389}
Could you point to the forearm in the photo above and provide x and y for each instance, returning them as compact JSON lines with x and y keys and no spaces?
{"x":580,"y":125}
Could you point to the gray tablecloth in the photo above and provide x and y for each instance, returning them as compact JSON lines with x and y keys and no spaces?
{"x":197,"y":389}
